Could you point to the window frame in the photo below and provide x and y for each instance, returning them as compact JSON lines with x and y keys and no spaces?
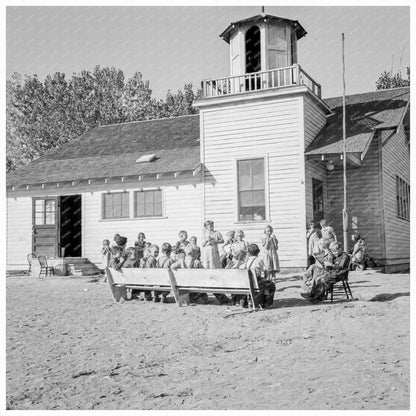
{"x":265,"y":158}
{"x":103,"y":195}
{"x":402,"y":199}
{"x":162,"y":202}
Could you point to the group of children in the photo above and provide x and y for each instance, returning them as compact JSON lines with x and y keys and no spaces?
{"x":327,"y":262}
{"x":236,"y":253}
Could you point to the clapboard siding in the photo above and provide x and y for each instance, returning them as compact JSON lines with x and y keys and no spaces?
{"x":363,"y":200}
{"x":271,"y":129}
{"x":315,"y":120}
{"x":19,"y":231}
{"x":396,"y":161}
{"x":182,"y":211}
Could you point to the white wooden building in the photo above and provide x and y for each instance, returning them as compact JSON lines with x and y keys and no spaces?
{"x":264,"y":149}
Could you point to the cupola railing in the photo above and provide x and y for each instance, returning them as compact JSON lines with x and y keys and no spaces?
{"x":264,"y":80}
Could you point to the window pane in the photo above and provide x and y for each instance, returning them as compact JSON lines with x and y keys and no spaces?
{"x":158,"y":196}
{"x":245,"y":199}
{"x":139,"y":197}
{"x":39,"y":219}
{"x":39,"y":205}
{"x":158,"y":209}
{"x":50,"y":218}
{"x":140,"y":210}
{"x":117,"y":211}
{"x":258,"y":197}
{"x":244,"y":175}
{"x":258,"y":174}
{"x":50,"y":206}
{"x":149,"y":209}
{"x":149,"y":197}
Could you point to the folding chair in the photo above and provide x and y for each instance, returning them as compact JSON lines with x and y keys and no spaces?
{"x":30,"y":258}
{"x":44,"y":268}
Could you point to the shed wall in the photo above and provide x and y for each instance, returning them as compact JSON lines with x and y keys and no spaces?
{"x":397,"y":230}
{"x":363,"y":200}
{"x":19,"y":231}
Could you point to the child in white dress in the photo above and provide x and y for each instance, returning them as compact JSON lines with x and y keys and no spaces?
{"x":270,"y":256}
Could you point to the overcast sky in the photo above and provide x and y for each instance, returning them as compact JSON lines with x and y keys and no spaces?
{"x":174,"y":45}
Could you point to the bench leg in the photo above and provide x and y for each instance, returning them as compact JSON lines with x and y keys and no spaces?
{"x":120,"y":292}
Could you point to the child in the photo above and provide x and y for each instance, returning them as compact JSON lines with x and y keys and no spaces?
{"x":238,"y":250}
{"x":182,"y":243}
{"x":196,"y":249}
{"x":118,"y":258}
{"x":105,"y":255}
{"x":113,"y":244}
{"x":270,"y":256}
{"x":323,"y":262}
{"x":313,"y":235}
{"x":149,"y":260}
{"x":163,"y":262}
{"x":189,"y":262}
{"x":226,"y":256}
{"x":139,"y":247}
{"x":130,"y":254}
{"x":359,"y":253}
{"x":257,"y":266}
{"x":327,"y":231}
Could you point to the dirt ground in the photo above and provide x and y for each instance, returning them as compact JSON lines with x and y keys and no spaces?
{"x":69,"y":346}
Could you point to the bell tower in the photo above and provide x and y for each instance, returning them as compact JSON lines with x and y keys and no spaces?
{"x":262,"y":43}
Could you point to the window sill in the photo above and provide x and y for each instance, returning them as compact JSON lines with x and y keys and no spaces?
{"x":132,"y":219}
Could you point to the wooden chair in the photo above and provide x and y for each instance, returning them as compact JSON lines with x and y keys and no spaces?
{"x":345,"y":285}
{"x":30,"y":258}
{"x":44,"y":268}
{"x":221,"y":281}
{"x":139,"y":279}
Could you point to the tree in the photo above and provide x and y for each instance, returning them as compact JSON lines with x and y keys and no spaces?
{"x":43,"y":115}
{"x":389,"y":80}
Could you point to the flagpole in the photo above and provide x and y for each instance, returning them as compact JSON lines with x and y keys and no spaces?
{"x":344,"y":155}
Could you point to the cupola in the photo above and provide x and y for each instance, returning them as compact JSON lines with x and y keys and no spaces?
{"x":262,"y":43}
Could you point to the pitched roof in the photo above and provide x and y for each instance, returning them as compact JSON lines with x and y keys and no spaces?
{"x":299,"y":30}
{"x":364,"y":114}
{"x":112,"y":150}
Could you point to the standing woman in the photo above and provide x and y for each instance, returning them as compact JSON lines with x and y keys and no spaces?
{"x":210,"y":243}
{"x":211,"y":254}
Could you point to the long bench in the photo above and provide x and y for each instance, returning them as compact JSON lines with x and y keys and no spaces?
{"x":182,"y":282}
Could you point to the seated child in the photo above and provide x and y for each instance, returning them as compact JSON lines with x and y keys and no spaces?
{"x":189,"y":262}
{"x":267,"y":287}
{"x":238,"y":251}
{"x":139,"y":246}
{"x":146,"y":254}
{"x":182,"y":243}
{"x":130,"y":254}
{"x":226,"y":255}
{"x":151,"y":263}
{"x":196,"y":249}
{"x":323,"y":262}
{"x":113,"y":244}
{"x":163,"y":262}
{"x":359,"y":254}
{"x":118,"y":258}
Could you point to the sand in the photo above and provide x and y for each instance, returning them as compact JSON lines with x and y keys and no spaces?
{"x":69,"y":346}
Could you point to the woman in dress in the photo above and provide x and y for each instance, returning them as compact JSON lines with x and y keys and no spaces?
{"x":270,"y":256}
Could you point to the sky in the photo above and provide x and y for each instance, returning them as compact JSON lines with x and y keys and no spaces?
{"x":174,"y":45}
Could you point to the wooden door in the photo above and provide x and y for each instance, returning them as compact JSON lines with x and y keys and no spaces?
{"x":317,"y":200}
{"x":45,"y":227}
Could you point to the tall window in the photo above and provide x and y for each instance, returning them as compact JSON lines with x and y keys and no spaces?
{"x":45,"y":212}
{"x":148,"y":203}
{"x":251,"y":190}
{"x":116,"y":205}
{"x":317,"y":200}
{"x":403,"y":198}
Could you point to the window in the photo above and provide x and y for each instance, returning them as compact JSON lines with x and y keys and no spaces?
{"x":148,"y":203}
{"x":317,"y":200}
{"x":277,"y":47}
{"x":403,"y":198}
{"x":44,"y":212}
{"x":251,"y":190}
{"x":116,"y":205}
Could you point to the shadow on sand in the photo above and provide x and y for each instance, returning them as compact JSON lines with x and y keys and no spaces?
{"x":384,"y":297}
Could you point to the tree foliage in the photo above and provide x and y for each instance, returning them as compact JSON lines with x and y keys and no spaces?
{"x":43,"y":115}
{"x":389,"y":80}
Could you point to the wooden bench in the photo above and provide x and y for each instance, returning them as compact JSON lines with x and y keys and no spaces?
{"x":135,"y":278}
{"x":224,"y":281}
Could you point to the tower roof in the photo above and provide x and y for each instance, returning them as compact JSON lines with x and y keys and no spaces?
{"x":299,"y":30}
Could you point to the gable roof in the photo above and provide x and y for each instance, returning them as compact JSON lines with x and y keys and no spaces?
{"x":365,"y":113}
{"x":112,"y":150}
{"x":299,"y":30}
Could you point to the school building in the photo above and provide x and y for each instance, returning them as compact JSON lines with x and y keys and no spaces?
{"x":265,"y":148}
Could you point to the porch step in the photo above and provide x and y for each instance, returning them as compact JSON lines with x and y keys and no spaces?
{"x":80,"y":266}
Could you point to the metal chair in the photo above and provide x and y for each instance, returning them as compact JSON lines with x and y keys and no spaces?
{"x":44,"y":268}
{"x":30,"y":258}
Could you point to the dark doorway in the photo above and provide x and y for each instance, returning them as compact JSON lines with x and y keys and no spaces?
{"x":253,"y":54}
{"x":70,"y":226}
{"x":317,"y":200}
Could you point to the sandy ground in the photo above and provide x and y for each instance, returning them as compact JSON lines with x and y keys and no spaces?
{"x":69,"y":346}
